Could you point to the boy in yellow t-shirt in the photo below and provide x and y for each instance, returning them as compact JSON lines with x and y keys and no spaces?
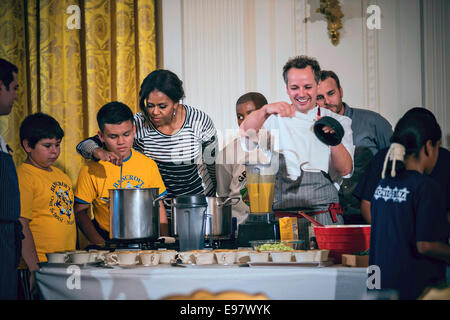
{"x":46,"y":196}
{"x":117,"y":130}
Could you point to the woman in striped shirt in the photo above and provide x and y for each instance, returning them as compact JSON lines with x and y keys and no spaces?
{"x":179,"y":138}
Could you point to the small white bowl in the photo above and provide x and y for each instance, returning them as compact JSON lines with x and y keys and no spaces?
{"x":304,"y":256}
{"x":167,"y":256}
{"x":243,"y":255}
{"x":225,"y":257}
{"x":204,"y":258}
{"x":259,"y":256}
{"x":281,"y":256}
{"x":321,"y":255}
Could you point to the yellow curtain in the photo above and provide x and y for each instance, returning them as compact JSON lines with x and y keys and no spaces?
{"x":70,"y":72}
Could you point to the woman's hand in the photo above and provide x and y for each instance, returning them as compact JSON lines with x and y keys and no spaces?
{"x":105,"y":155}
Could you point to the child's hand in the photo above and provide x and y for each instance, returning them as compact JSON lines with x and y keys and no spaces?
{"x":104,"y":155}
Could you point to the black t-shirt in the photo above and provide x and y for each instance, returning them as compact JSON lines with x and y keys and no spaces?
{"x":372,"y":176}
{"x":405,"y":210}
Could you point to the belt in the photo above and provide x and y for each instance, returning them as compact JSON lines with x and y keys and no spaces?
{"x":334,"y":209}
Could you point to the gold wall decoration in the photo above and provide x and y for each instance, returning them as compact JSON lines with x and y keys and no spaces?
{"x":331,"y":9}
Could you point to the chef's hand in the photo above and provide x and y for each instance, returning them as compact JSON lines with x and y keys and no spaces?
{"x":325,"y":129}
{"x":283,"y":109}
{"x":105,"y":155}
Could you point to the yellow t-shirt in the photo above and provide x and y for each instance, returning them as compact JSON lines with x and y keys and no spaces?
{"x":46,"y":199}
{"x":96,"y":178}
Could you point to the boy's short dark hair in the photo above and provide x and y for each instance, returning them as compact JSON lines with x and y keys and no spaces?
{"x":302,"y":62}
{"x":39,"y":126}
{"x":6,"y":72}
{"x":325,"y":74}
{"x":257,"y":98}
{"x":114,"y":113}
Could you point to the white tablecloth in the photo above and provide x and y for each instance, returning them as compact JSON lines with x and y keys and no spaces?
{"x":140,"y":282}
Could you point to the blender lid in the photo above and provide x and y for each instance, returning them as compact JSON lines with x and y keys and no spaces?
{"x":190,"y":201}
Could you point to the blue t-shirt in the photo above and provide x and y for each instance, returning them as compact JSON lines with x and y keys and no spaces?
{"x":405,"y":210}
{"x":372,"y":176}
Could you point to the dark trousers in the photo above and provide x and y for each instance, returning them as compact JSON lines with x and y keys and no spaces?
{"x":23,"y":287}
{"x":102,"y":232}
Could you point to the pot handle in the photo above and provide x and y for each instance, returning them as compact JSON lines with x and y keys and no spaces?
{"x":106,"y":199}
{"x":168,"y":202}
{"x":159,"y":198}
{"x":230,"y":200}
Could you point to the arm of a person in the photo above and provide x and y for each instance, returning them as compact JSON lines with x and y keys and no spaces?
{"x":29,"y":252}
{"x":343,"y":153}
{"x":367,"y":183}
{"x":92,"y":148}
{"x":224,"y":178}
{"x":163,"y":222}
{"x":341,"y":160}
{"x":435,"y":249}
{"x":365,"y":210}
{"x":209,"y":142}
{"x":432,"y":228}
{"x":210,"y":147}
{"x":85,"y":223}
{"x":256,"y":119}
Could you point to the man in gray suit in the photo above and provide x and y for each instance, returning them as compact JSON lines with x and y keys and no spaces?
{"x":371,"y":133}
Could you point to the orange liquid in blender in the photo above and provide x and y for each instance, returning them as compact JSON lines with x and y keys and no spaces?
{"x":261,"y":197}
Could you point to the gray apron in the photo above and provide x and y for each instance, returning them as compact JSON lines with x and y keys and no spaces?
{"x":310,"y":192}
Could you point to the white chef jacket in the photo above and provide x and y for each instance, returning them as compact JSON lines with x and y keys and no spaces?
{"x":295,"y":138}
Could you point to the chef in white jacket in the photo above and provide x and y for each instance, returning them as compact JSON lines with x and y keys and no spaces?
{"x":310,"y":171}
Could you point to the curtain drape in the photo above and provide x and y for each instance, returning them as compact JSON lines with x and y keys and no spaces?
{"x":70,"y":73}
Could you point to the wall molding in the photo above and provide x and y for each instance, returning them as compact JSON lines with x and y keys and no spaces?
{"x":436,"y":50}
{"x":370,"y":61}
{"x":301,"y":26}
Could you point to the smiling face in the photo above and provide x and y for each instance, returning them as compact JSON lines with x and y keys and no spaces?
{"x":330,"y":96}
{"x":8,"y":95}
{"x":160,"y":108}
{"x":44,"y":153}
{"x":302,"y":88}
{"x":118,"y":138}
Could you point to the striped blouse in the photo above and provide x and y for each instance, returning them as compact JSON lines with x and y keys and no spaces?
{"x":186,"y":159}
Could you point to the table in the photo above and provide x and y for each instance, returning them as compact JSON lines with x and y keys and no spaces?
{"x":156,"y":282}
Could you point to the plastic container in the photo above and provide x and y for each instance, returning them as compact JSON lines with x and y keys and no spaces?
{"x":343,"y":239}
{"x":277,"y":245}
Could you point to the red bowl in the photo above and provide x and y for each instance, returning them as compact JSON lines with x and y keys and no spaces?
{"x":343,"y":239}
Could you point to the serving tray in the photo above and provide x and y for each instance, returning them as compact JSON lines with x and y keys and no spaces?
{"x":66,"y":264}
{"x":291,"y":264}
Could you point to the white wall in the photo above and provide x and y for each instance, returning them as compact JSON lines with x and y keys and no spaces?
{"x":224,"y":48}
{"x":436,"y":51}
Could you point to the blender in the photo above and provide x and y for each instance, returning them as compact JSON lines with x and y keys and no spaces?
{"x":261,"y":223}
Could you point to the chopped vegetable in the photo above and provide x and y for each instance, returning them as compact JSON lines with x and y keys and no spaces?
{"x":274,"y":246}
